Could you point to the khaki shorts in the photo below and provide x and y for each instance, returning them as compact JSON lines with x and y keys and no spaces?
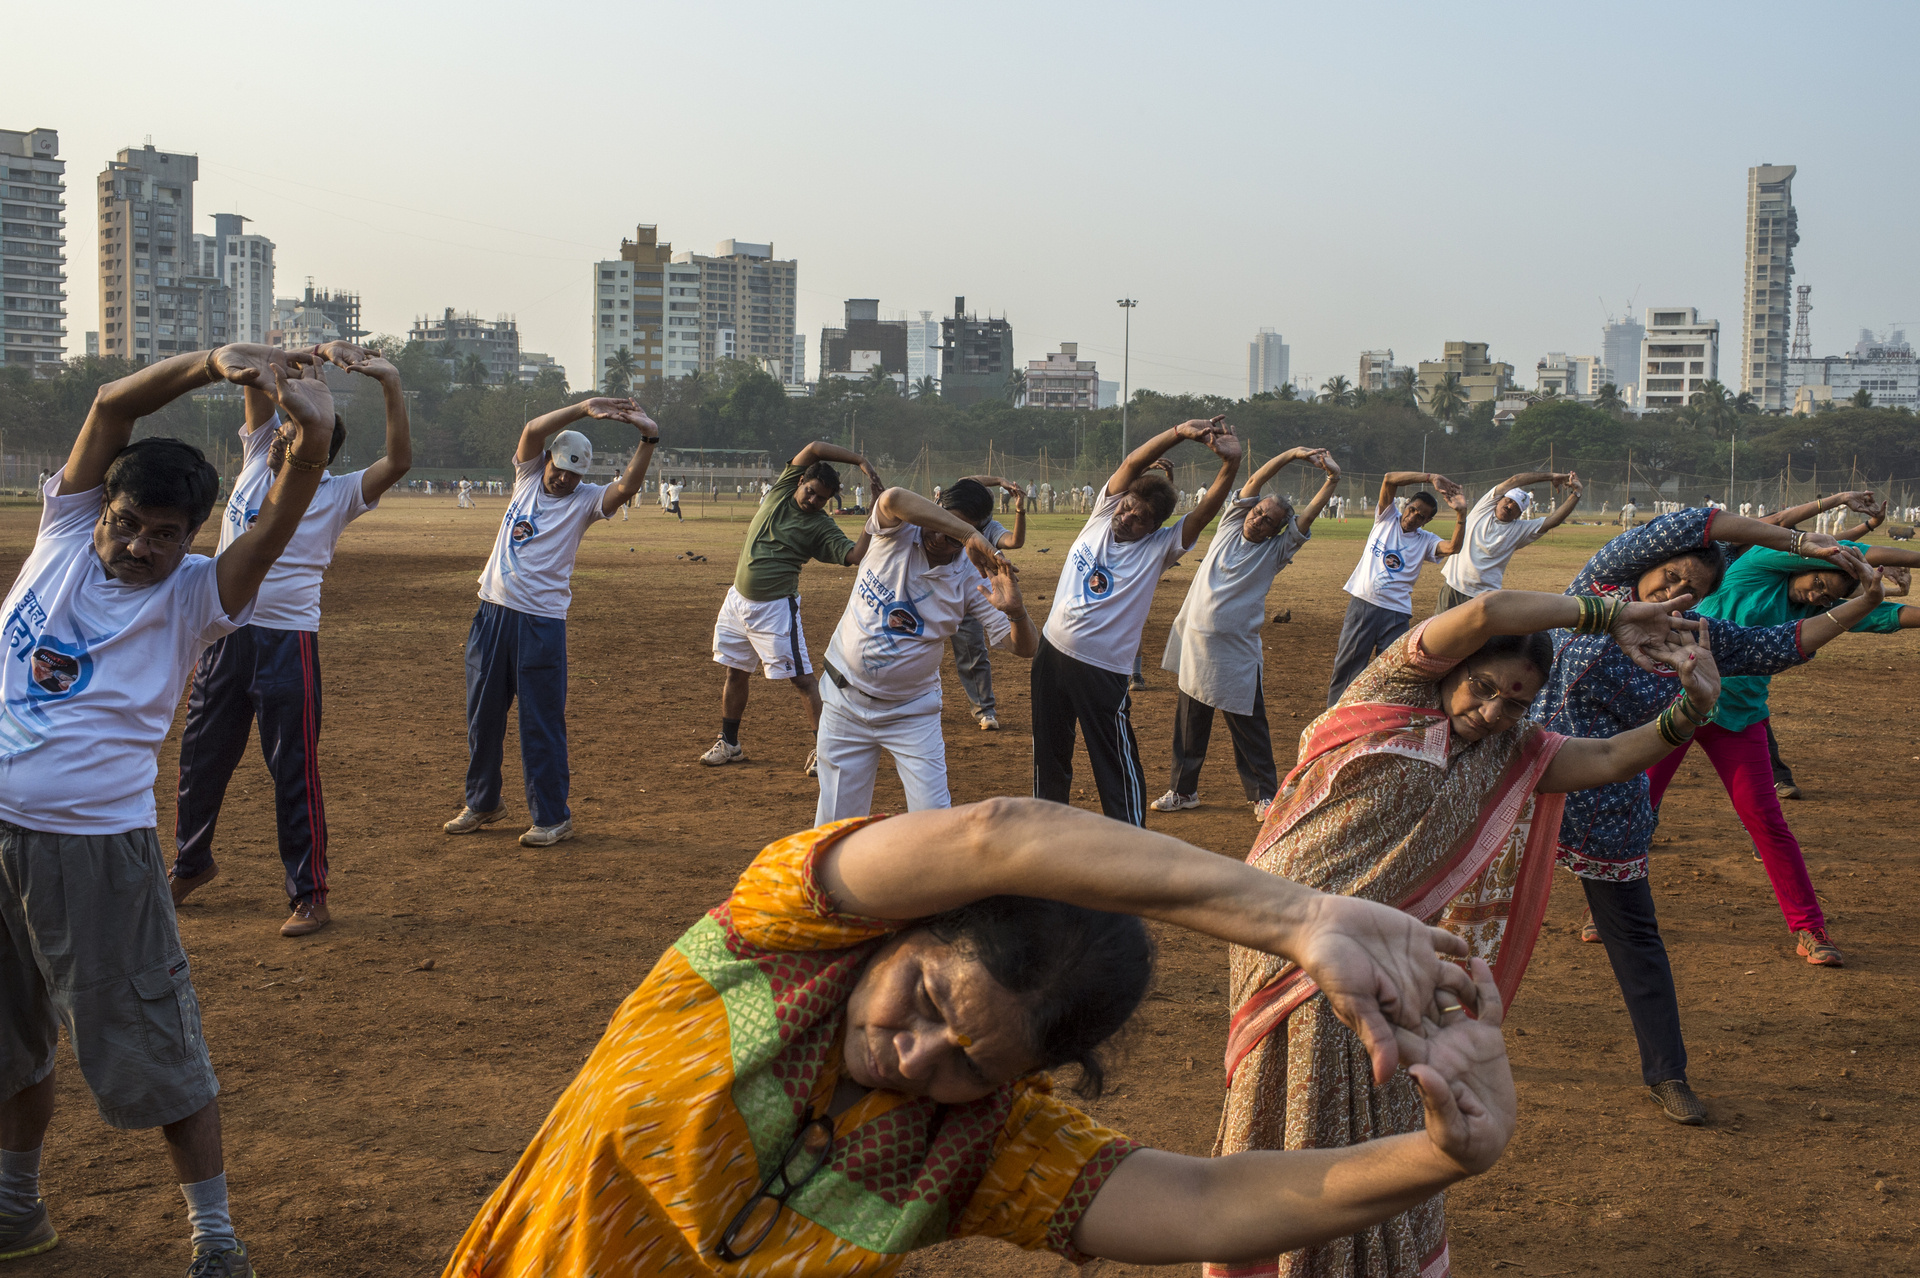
{"x":88,"y":941}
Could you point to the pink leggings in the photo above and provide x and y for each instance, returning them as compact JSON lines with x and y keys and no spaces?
{"x":1746,"y":771}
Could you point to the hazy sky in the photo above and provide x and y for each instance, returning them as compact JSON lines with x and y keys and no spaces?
{"x":1386,"y":175}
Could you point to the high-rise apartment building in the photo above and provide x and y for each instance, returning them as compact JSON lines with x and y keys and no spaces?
{"x":1620,"y":349}
{"x":1482,"y":379}
{"x":155,"y":299}
{"x":1377,"y":371}
{"x":453,"y":337}
{"x":1766,"y":327}
{"x":244,"y":263}
{"x":923,"y":349}
{"x":33,"y":250}
{"x":747,"y":299}
{"x":1267,"y":363}
{"x":977,"y":356}
{"x":629,"y":307}
{"x":1679,"y":355}
{"x":1063,"y":380}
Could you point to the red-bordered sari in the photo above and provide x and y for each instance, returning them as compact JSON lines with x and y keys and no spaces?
{"x":1386,"y":804}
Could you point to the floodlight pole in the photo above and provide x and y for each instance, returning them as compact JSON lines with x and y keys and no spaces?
{"x":1126,"y":304}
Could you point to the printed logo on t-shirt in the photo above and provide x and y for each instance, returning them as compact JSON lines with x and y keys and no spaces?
{"x":902,"y":618}
{"x":1392,"y":560}
{"x":56,"y":670}
{"x":1097,"y":581}
{"x":522,"y":529}
{"x":896,"y":618}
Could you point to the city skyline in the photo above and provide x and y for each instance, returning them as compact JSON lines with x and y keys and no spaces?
{"x":1482,"y":228}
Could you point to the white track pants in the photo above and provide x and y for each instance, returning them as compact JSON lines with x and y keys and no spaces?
{"x":854,"y":729}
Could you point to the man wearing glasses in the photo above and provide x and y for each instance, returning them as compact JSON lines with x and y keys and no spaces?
{"x":118,"y":607}
{"x":269,"y":669}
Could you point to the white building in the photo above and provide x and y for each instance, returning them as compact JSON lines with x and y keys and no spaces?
{"x":1575,"y":376}
{"x":1266,"y":363}
{"x":1771,"y":233}
{"x":33,"y":240}
{"x":1377,"y":371}
{"x":1679,"y":355}
{"x":244,"y":263}
{"x":923,"y":349}
{"x":683,"y":319}
{"x":1063,"y":380}
{"x":1885,"y":368}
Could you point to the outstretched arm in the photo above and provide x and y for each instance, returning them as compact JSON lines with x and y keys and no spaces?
{"x":1457,"y":502}
{"x":1226,"y":446}
{"x":1018,"y":537}
{"x":243,"y":565}
{"x":1146,"y":454}
{"x":820,"y":450}
{"x":1304,"y":517}
{"x":1586,"y":762}
{"x":1643,"y":630}
{"x":391,"y":468}
{"x":1274,"y":465}
{"x":898,"y":506}
{"x":1793,"y":516}
{"x":1565,"y":508}
{"x":533,"y":439}
{"x":1394,"y":480}
{"x":1377,"y":965}
{"x":622,"y":490}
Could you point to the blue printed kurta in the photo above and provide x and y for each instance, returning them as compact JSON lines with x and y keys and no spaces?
{"x":1595,"y":690}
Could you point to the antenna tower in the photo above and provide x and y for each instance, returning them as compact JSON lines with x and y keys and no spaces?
{"x":1802,"y":336}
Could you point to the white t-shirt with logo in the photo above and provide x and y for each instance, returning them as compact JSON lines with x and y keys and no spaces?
{"x":289,"y":598}
{"x":1106,"y":589}
{"x":531,"y":567}
{"x":902,"y":612}
{"x":1481,"y":564}
{"x":91,"y":671}
{"x":1391,"y":563}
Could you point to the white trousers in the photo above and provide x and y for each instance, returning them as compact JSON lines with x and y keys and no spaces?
{"x":854,"y":729}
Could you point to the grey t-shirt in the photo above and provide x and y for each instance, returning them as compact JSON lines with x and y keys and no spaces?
{"x":993,"y":530}
{"x":1214,"y":645}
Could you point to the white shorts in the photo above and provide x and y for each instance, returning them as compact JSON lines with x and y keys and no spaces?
{"x":768,"y":635}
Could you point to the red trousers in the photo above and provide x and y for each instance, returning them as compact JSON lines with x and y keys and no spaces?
{"x":1746,"y":770}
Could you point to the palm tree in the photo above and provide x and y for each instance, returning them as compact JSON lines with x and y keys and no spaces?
{"x":1609,"y":399}
{"x":1712,"y":406}
{"x":1447,"y":398}
{"x":1017,"y":386}
{"x":1862,"y":398}
{"x":472,"y":370}
{"x":1287,"y":393}
{"x":1337,"y":390}
{"x":878,"y":382}
{"x":925,"y":388}
{"x":1406,"y":387}
{"x":621,"y":366}
{"x":1743,"y":403}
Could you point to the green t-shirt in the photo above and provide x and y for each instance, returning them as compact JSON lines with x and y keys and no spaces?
{"x":780,"y":541}
{"x":1754,"y":593}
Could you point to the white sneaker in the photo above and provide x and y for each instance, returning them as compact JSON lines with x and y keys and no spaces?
{"x":1174,"y":801}
{"x":1260,"y":809}
{"x":813,"y":763}
{"x":989,"y":724}
{"x":468,"y":821}
{"x":545,"y":836}
{"x":721,"y":752}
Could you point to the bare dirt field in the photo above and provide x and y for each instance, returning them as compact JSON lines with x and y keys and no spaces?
{"x":371,"y":1102}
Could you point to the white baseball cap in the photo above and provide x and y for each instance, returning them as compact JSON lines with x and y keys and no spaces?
{"x":1518,"y":496}
{"x":572,"y":451}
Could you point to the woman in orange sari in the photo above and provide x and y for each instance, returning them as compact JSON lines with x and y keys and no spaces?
{"x":1426,"y":788}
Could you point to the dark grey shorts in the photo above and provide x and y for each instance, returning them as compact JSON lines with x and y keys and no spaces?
{"x":88,"y":941}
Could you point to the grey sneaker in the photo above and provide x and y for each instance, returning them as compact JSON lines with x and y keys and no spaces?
{"x":1677,"y":1101}
{"x":813,"y":763}
{"x":468,"y":821}
{"x":1260,"y":809}
{"x":214,"y":1263}
{"x":545,"y":836}
{"x":1174,"y":801}
{"x":989,"y":724}
{"x":721,"y":752}
{"x":28,"y":1234}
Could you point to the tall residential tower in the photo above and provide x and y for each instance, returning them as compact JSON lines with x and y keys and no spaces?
{"x":33,"y":250}
{"x":155,"y":299}
{"x":1772,"y":231}
{"x":629,"y":304}
{"x":1266,"y":363}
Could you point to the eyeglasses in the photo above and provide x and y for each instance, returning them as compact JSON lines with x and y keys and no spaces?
{"x":805,"y":1155}
{"x":1485,"y":690}
{"x":126,"y":531}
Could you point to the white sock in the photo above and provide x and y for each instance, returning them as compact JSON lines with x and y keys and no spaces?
{"x":207,"y":1213}
{"x":19,"y":1180}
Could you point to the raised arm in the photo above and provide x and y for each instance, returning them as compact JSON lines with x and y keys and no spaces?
{"x":1394,"y":480}
{"x":243,"y":565}
{"x":1377,"y":965}
{"x":1304,"y":517}
{"x":1817,"y":632}
{"x":534,"y":437}
{"x":1643,"y":630}
{"x":1567,"y":503}
{"x":1260,"y":478}
{"x":1794,"y":516}
{"x":1875,"y":516}
{"x":622,"y":490}
{"x":1146,"y":454}
{"x":1586,"y":762}
{"x":392,"y":467}
{"x":820,"y":450}
{"x":1018,"y":537}
{"x":898,"y":506}
{"x":1226,"y":446}
{"x":1456,"y":500}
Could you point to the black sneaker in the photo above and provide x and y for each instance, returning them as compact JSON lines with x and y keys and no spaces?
{"x":1677,"y":1101}
{"x":27,"y":1234}
{"x":214,"y":1263}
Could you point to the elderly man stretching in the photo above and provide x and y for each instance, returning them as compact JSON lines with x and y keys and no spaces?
{"x":883,"y":664}
{"x":1214,"y":645}
{"x":517,"y":646}
{"x":1092,"y":635}
{"x":1398,"y":547}
{"x":1495,"y":531}
{"x":103,"y":625}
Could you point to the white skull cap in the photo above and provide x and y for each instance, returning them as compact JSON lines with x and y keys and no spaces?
{"x":1519,"y":496}
{"x":572,"y":451}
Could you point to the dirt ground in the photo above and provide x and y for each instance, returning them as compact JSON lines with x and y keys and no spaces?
{"x":370,"y":1103}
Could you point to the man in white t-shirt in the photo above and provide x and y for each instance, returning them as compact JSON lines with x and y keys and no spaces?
{"x":517,"y":646}
{"x":1092,"y":637}
{"x":882,"y":690}
{"x":1495,"y":530}
{"x":102,"y":625}
{"x":972,"y":499}
{"x":1214,"y":645}
{"x":269,"y":669}
{"x":1381,"y":607}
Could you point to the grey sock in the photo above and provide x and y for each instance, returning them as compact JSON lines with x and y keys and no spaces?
{"x":207,"y":1213}
{"x":19,"y":1180}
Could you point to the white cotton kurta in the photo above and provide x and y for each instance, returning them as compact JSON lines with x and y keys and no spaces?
{"x":1214,"y":645}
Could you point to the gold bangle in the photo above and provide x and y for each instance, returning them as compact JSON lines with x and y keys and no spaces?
{"x":301,"y":463}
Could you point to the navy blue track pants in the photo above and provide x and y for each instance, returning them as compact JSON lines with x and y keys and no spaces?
{"x":516,"y":654}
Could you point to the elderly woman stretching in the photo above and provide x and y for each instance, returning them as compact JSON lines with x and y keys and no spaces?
{"x":1425,"y":788}
{"x":845,"y":1061}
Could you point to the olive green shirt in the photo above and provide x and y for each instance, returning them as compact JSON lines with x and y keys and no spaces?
{"x":780,"y":541}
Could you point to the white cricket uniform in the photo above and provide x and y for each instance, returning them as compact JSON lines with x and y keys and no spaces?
{"x":882,"y":690}
{"x":531,"y":567}
{"x":91,"y":673}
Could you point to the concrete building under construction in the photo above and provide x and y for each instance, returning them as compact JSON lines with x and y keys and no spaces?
{"x":976,"y":357}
